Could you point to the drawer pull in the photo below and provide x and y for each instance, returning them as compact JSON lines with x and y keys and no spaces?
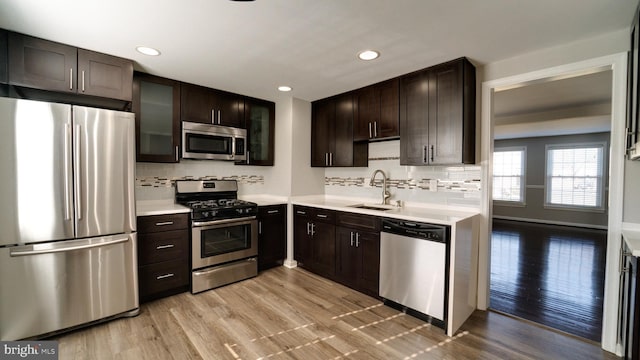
{"x":273,"y":211}
{"x":160,"y":247}
{"x":322,"y":216}
{"x":301,"y":212}
{"x":164,"y":223}
{"x":164,"y":276}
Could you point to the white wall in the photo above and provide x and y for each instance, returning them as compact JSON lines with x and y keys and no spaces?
{"x":305,"y":179}
{"x":602,"y":45}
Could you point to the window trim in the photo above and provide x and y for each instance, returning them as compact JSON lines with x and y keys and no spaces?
{"x":602,"y":186}
{"x":523,"y":181}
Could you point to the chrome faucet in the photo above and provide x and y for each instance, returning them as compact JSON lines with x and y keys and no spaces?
{"x":385,"y":192}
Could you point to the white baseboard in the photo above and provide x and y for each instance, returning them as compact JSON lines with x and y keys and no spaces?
{"x":551,"y":222}
{"x":288,"y":263}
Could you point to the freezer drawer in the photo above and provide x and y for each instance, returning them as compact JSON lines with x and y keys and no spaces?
{"x":53,"y":286}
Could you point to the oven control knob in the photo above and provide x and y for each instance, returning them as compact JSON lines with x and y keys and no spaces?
{"x":205,"y":214}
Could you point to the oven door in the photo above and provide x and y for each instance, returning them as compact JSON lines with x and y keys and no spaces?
{"x":221,"y":241}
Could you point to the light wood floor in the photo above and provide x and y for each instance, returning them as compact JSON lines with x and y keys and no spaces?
{"x":293,"y":314}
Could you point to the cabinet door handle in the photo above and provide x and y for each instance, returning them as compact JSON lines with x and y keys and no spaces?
{"x":177,"y":160}
{"x":424,"y":151}
{"x":164,"y":276}
{"x":326,"y":159}
{"x":357,"y":240}
{"x":213,"y":116}
{"x":313,"y":229}
{"x":375,"y":129}
{"x":219,"y":117}
{"x":352,"y":238}
{"x":432,"y":152}
{"x":260,"y":227}
{"x":248,"y":156}
{"x":164,"y":223}
{"x":370,"y":134}
{"x":82,"y":80}
{"x":273,"y":211}
{"x":71,"y":79}
{"x":308,"y":228}
{"x":160,"y":247}
{"x":330,"y":159}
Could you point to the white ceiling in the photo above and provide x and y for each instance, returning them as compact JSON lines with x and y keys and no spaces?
{"x":311,"y":45}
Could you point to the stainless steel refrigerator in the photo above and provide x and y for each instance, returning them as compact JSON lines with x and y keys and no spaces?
{"x":67,"y":217}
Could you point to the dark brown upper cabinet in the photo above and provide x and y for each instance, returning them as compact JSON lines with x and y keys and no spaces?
{"x":156,"y":103}
{"x":377,"y":111}
{"x":260,"y":122}
{"x":47,"y":65}
{"x":437,"y":115}
{"x":205,"y":105}
{"x":4,"y":56}
{"x":332,"y":134}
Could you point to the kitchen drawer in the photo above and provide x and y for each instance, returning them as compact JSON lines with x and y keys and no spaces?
{"x":157,"y":223}
{"x":323,"y":215}
{"x":163,"y":246}
{"x":164,"y":276}
{"x":358,"y":221}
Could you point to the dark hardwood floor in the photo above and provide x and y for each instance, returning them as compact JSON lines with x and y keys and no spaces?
{"x":551,"y":275}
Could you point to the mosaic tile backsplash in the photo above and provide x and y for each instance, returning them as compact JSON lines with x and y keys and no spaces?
{"x":157,"y":181}
{"x":452,"y":185}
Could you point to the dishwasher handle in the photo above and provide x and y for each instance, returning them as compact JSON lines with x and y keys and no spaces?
{"x":432,"y":232}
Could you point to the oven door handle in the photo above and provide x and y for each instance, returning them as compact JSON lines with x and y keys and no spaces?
{"x":221,"y":222}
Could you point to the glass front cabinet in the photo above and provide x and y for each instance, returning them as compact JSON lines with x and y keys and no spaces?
{"x":156,"y":103}
{"x":260,"y":124}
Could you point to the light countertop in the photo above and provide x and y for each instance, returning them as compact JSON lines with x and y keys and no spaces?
{"x":631,"y":236}
{"x":431,"y":213}
{"x":265,"y":200}
{"x":159,"y":207}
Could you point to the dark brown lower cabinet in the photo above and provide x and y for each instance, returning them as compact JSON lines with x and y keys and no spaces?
{"x":341,"y":246}
{"x":358,"y":252}
{"x":163,"y":255}
{"x":314,"y":240}
{"x":272,"y":236}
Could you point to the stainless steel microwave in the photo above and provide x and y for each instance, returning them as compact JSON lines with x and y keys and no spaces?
{"x":213,"y":142}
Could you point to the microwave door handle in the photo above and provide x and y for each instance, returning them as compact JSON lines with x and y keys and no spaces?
{"x":233,"y":147}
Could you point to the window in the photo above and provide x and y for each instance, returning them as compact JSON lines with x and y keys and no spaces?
{"x":508,"y":174}
{"x":574,"y":175}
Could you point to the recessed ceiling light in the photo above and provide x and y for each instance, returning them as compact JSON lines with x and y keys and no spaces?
{"x":368,"y":55}
{"x":148,"y":51}
{"x":284,"y":88}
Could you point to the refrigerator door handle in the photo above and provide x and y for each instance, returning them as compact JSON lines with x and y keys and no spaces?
{"x":67,"y":172}
{"x":62,"y":247}
{"x":77,"y":174}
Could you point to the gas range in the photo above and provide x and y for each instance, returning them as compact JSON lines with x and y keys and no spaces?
{"x":221,"y":209}
{"x":211,"y":200}
{"x":224,"y":233}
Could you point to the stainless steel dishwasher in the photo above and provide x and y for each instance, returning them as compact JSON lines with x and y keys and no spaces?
{"x":414,"y":267}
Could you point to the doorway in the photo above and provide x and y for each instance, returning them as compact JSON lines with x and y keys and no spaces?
{"x":548,"y":240}
{"x":617,"y":64}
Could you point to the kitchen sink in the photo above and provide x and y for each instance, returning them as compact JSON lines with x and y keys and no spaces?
{"x":373,"y":207}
